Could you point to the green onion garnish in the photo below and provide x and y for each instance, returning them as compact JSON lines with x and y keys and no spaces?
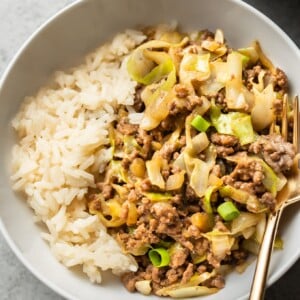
{"x":200,"y":123}
{"x":228,"y":211}
{"x":159,"y":257}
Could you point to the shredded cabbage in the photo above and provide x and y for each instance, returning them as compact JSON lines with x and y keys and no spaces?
{"x":154,"y":167}
{"x":233,"y":123}
{"x":262,"y":114}
{"x":194,"y":67}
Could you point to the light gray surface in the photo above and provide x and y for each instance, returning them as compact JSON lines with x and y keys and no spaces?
{"x":18,"y":20}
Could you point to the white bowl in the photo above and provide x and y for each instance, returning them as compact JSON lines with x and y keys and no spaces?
{"x":61,"y":43}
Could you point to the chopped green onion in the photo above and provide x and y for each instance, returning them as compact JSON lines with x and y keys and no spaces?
{"x":200,"y":123}
{"x":228,"y":211}
{"x":159,"y":257}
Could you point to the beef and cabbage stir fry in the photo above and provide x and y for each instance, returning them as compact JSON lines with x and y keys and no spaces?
{"x":196,"y":163}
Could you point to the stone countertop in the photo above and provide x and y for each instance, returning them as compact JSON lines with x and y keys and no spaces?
{"x":18,"y":19}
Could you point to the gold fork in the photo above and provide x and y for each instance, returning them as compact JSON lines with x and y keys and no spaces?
{"x":287,"y":197}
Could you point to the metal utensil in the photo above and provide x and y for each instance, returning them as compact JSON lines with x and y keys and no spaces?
{"x":288,"y":196}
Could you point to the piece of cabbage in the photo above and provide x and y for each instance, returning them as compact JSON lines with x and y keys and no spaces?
{"x":154,"y":167}
{"x":233,"y":123}
{"x":244,"y":221}
{"x":194,"y":67}
{"x":262,"y":114}
{"x":194,"y":281}
{"x":221,"y":243}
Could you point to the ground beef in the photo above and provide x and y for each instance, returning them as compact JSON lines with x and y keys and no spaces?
{"x":179,"y":257}
{"x":280,"y":81}
{"x":251,"y":75}
{"x":240,"y":255}
{"x":225,"y":140}
{"x":225,"y":144}
{"x":167,"y":150}
{"x":217,"y":282}
{"x":129,"y":158}
{"x":177,"y":200}
{"x":216,"y":170}
{"x":173,"y":275}
{"x":201,"y":269}
{"x":168,"y":124}
{"x":277,"y":107}
{"x":184,"y":105}
{"x":268,"y":200}
{"x":157,"y":135}
{"x":223,"y":151}
{"x":156,"y":273}
{"x":247,"y":175}
{"x":168,"y":277}
{"x":221,"y":100}
{"x":165,"y":212}
{"x":178,"y":106}
{"x":248,"y":170}
{"x":106,"y":190}
{"x":144,"y":140}
{"x":138,"y":104}
{"x":275,"y":151}
{"x":146,"y":185}
{"x":129,"y":279}
{"x":139,"y":239}
{"x":213,"y":260}
{"x":220,"y":226}
{"x":193,"y":232}
{"x":277,"y":78}
{"x":188,"y":273}
{"x":181,"y":90}
{"x":248,"y":187}
{"x":134,"y":195}
{"x":125,"y":127}
{"x":190,"y":195}
{"x":236,"y":257}
{"x":200,"y":246}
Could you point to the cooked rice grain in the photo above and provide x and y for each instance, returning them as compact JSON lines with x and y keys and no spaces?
{"x":62,"y":131}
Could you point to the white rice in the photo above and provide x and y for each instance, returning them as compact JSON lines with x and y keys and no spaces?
{"x":62,"y":133}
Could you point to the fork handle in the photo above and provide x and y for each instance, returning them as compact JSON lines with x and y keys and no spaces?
{"x":264,"y":256}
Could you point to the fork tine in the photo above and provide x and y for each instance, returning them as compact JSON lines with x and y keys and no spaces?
{"x":296,"y":124}
{"x":284,"y":122}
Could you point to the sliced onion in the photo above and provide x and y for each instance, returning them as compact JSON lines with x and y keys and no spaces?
{"x":248,"y":232}
{"x":175,"y":181}
{"x":153,"y":167}
{"x":179,"y":162}
{"x":199,"y":143}
{"x":199,"y":177}
{"x":263,"y":58}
